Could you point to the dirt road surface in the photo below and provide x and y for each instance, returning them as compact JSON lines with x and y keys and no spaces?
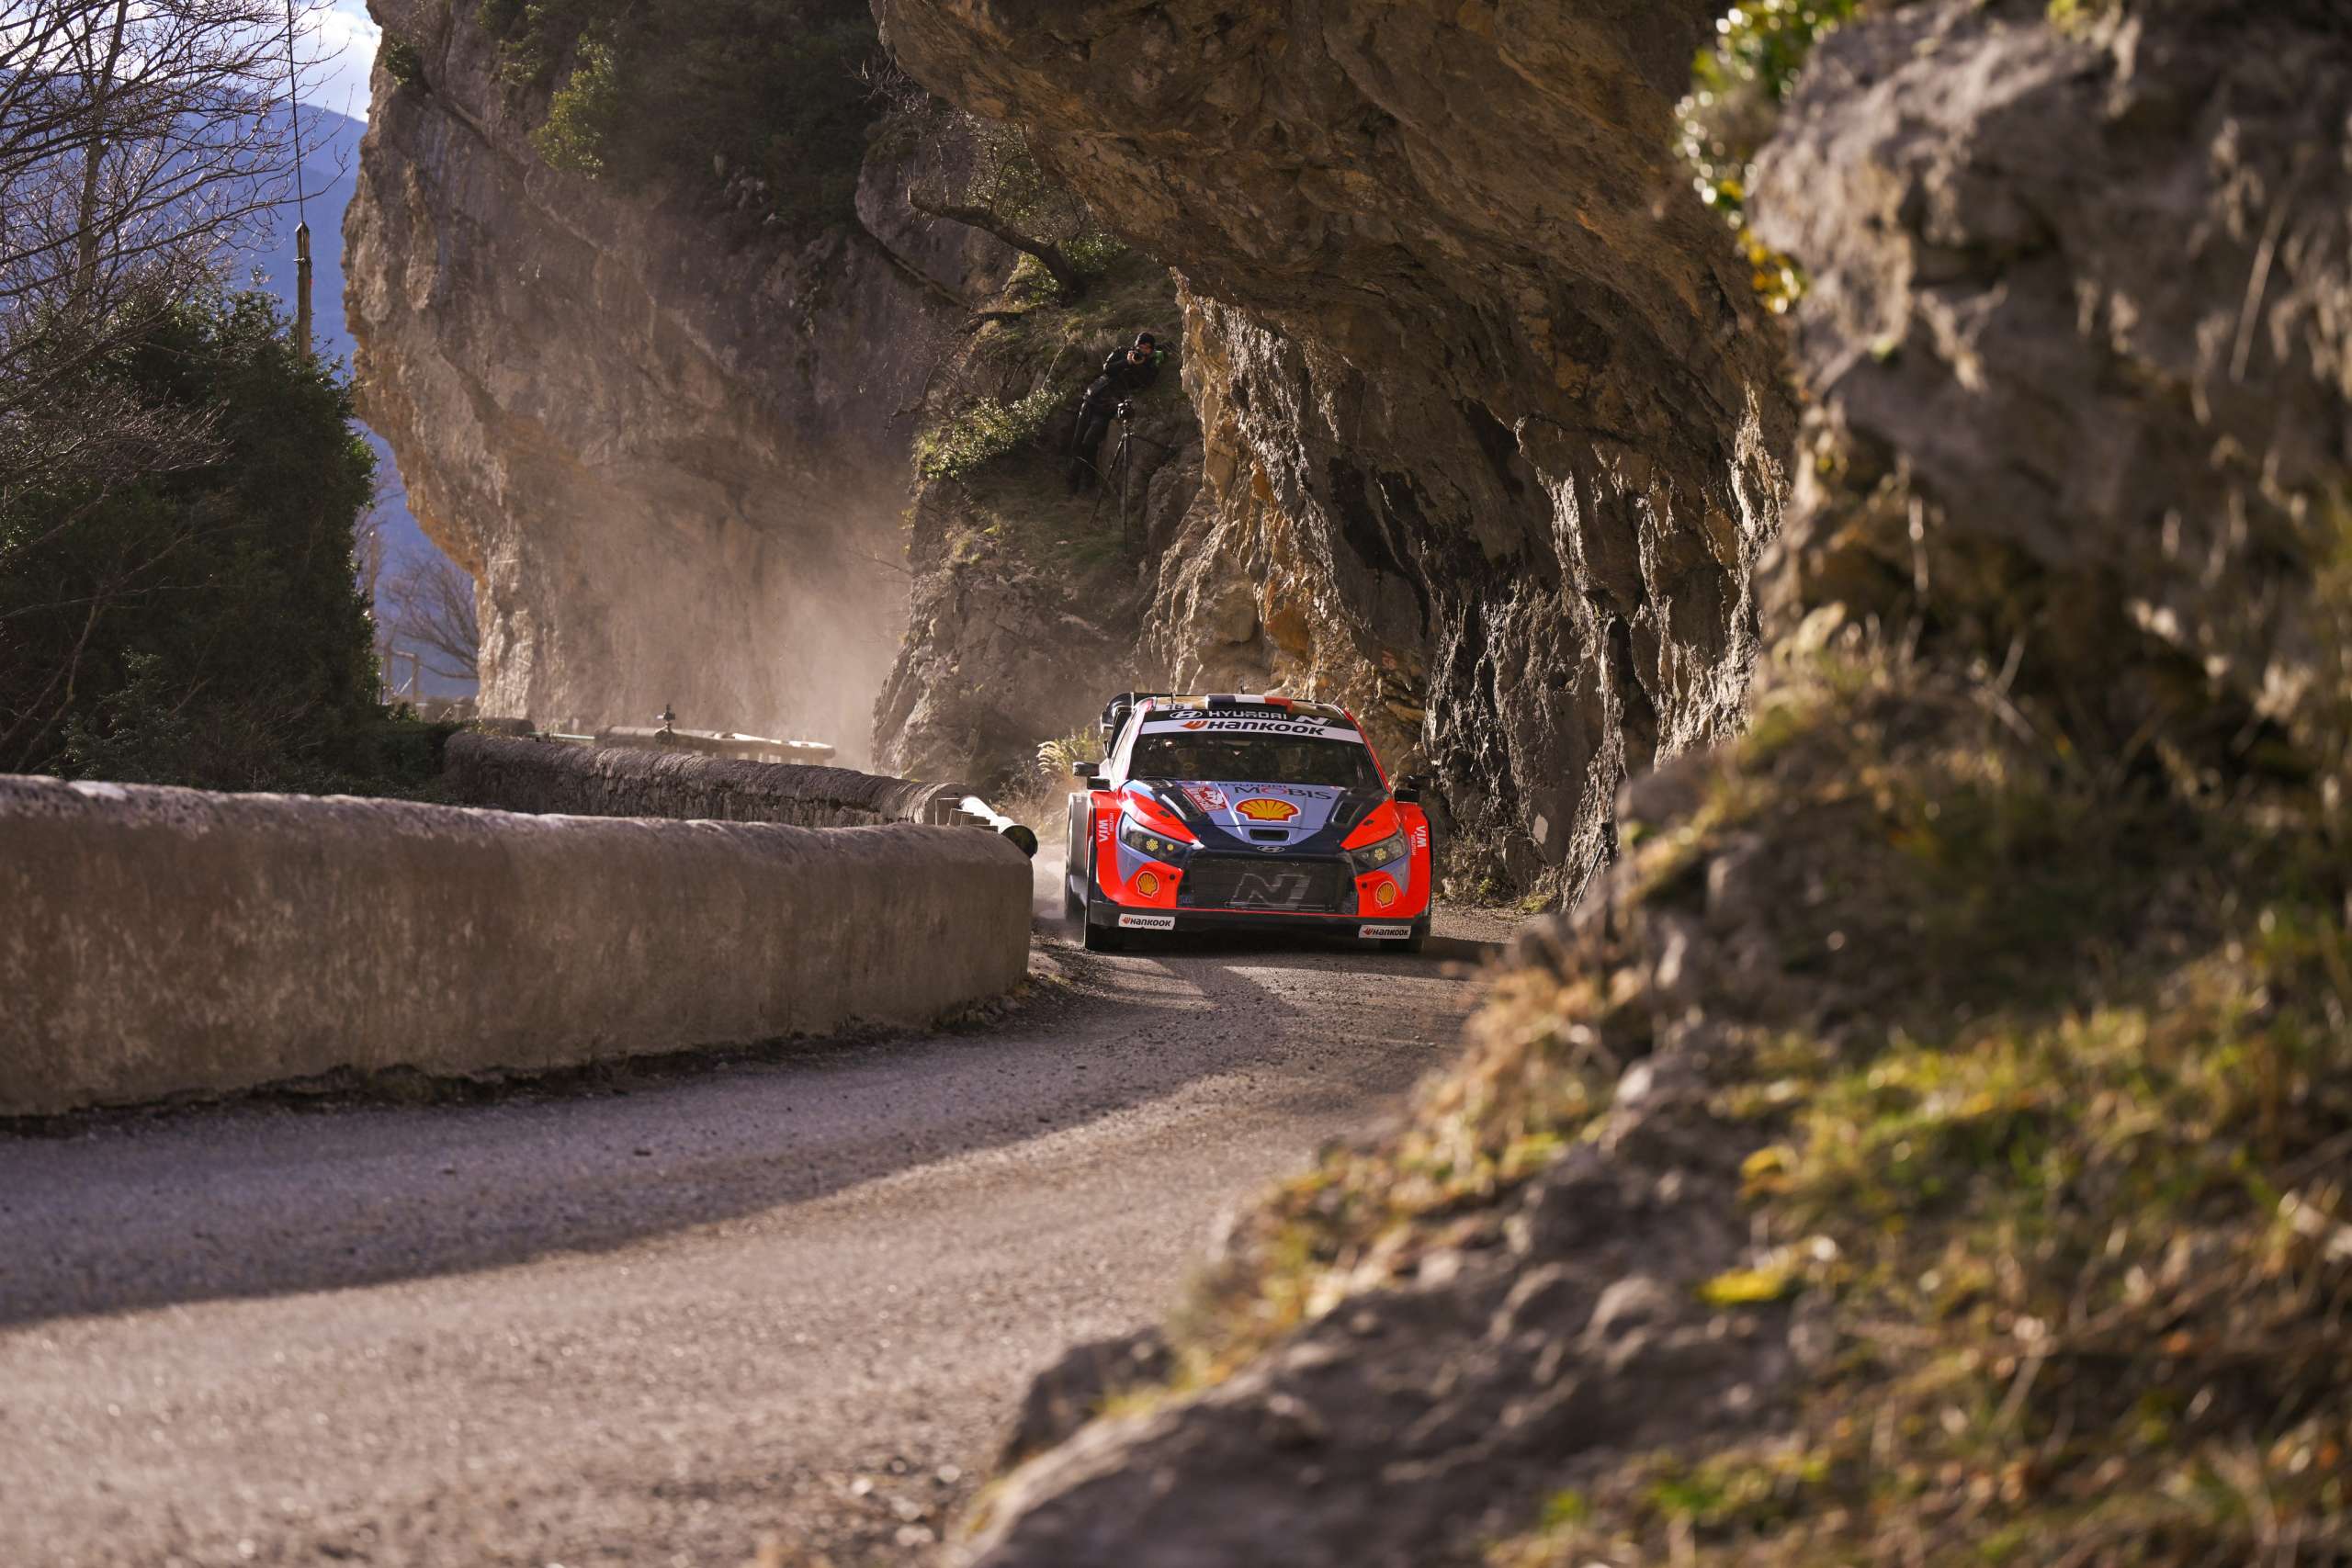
{"x":653,"y":1318}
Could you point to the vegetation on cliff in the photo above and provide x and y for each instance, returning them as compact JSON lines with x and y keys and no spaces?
{"x":1029,"y":569}
{"x":1738,"y":86}
{"x":2045,"y":1079}
{"x":772,"y":91}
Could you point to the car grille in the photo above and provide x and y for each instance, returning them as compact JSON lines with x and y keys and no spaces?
{"x":1234,"y":882}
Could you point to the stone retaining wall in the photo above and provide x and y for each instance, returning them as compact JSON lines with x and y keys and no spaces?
{"x":169,"y":941}
{"x":609,"y":781}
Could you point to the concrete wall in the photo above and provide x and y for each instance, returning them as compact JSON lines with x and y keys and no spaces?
{"x":165,"y":942}
{"x":604,"y":781}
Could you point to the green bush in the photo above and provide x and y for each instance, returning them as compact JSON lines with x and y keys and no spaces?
{"x":774,"y":90}
{"x":202,"y":626}
{"x":401,"y":62}
{"x":986,"y":429}
{"x":1736,"y":88}
{"x":583,"y":113}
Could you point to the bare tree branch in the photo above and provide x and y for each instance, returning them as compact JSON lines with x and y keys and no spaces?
{"x":433,"y":613}
{"x":141,"y":142}
{"x":985,"y":177}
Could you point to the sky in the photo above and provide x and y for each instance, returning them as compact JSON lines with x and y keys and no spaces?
{"x":347,"y":33}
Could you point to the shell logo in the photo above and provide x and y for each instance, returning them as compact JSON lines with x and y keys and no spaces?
{"x":1384,"y":894}
{"x":1263,"y":810}
{"x":1148,"y":884}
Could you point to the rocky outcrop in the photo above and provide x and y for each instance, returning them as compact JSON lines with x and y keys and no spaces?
{"x":1032,"y":600}
{"x":1493,"y":438}
{"x":1892,"y":970}
{"x":2080,"y":333}
{"x":1414,"y":1421}
{"x":669,"y":441}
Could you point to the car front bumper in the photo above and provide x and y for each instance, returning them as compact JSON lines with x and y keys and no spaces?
{"x":1102,"y":912}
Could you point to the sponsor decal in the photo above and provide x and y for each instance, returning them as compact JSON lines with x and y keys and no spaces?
{"x":1420,"y":836}
{"x":1244,"y":714}
{"x":1102,"y":829}
{"x":1384,"y":930}
{"x":1265,"y":811}
{"x":1207,"y":797}
{"x":1384,"y":893}
{"x":1148,"y":884}
{"x":1148,"y":922}
{"x":1316,"y":727}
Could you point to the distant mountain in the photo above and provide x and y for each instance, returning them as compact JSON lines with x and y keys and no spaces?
{"x":330,"y":176}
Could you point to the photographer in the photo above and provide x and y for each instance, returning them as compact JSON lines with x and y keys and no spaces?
{"x":1125,"y":371}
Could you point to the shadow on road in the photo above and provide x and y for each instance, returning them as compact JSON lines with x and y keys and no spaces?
{"x":261,"y":1198}
{"x":1304,"y":950}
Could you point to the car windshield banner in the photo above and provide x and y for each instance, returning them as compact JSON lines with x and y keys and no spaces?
{"x":1247,"y":721}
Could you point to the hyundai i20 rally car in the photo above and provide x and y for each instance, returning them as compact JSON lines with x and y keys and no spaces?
{"x":1210,"y":813}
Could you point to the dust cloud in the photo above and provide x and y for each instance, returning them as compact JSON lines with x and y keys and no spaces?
{"x":1046,"y":875}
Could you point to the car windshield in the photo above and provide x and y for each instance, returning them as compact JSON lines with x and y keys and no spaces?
{"x":1255,"y":759}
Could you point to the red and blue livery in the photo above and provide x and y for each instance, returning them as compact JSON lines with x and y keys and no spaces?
{"x":1214,"y":812}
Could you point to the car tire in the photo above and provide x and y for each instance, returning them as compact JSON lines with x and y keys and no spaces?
{"x":1073,"y":907}
{"x":1100,"y":939}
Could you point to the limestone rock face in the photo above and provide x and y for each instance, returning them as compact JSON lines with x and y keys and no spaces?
{"x":2078,"y":362}
{"x":2080,"y":327}
{"x":1032,"y":601}
{"x":663,"y":438}
{"x":1491,"y":425}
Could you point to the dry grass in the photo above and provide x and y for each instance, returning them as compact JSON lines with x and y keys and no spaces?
{"x":2051,"y":1088}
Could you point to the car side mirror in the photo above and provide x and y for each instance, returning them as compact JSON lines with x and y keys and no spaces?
{"x":1083,"y":769}
{"x":1091,"y":781}
{"x":1407,"y":795}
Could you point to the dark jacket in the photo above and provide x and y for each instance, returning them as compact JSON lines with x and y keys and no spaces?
{"x":1121,"y":375}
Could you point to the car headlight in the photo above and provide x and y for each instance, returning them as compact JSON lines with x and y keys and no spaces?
{"x":1135,"y":836}
{"x":1372,"y":857}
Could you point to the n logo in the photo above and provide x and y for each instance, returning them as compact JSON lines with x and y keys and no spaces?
{"x":1273,"y":890}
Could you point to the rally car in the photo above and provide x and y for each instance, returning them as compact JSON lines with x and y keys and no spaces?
{"x":1214,"y":812}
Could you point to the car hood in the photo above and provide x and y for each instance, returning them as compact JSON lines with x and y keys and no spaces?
{"x":1241,"y":807}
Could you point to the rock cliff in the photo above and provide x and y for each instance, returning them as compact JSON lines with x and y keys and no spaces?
{"x":668,"y":437}
{"x":2081,"y":347}
{"x":1033,"y":599}
{"x":1926,"y":1144}
{"x":1491,"y":425}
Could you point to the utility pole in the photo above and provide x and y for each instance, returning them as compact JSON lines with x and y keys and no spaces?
{"x":303,"y":287}
{"x":302,"y":225}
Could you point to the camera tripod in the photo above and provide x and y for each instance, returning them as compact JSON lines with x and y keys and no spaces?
{"x":1123,"y":464}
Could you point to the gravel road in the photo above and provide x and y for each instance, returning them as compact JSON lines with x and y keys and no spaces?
{"x":652,"y":1319}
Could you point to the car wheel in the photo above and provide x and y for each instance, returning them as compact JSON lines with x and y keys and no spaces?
{"x":1102,"y":939}
{"x":1073,"y":907}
